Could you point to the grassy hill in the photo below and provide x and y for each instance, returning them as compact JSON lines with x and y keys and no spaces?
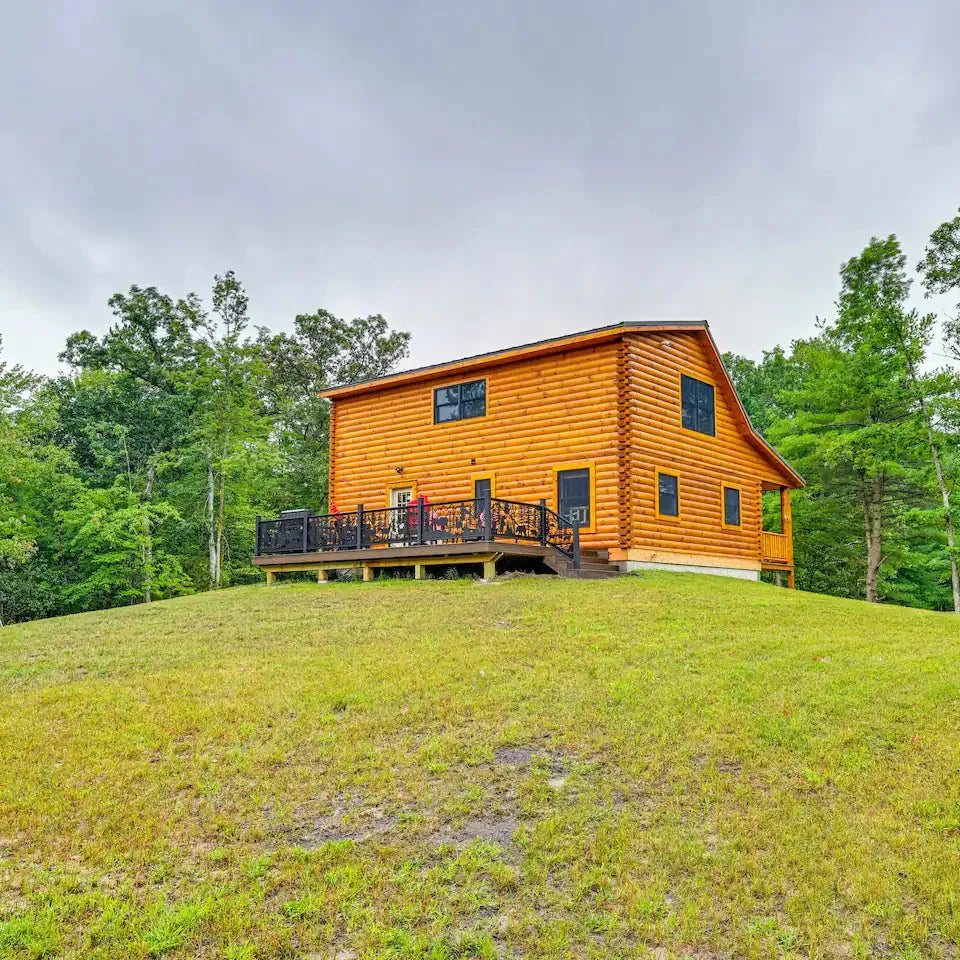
{"x":666,"y":766}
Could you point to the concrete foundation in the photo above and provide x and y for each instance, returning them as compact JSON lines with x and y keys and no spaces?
{"x":691,"y":568}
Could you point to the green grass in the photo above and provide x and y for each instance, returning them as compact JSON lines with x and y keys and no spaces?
{"x":665,"y":766}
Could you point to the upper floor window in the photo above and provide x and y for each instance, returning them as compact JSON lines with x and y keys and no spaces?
{"x":697,"y":405}
{"x":459,"y":402}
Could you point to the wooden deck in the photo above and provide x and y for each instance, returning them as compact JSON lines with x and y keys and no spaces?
{"x":485,"y":552}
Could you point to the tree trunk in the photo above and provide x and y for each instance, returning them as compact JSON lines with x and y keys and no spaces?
{"x":213,"y":544}
{"x":147,"y":553}
{"x":938,"y":470}
{"x":221,"y":522}
{"x":873,"y":522}
{"x":947,"y":513}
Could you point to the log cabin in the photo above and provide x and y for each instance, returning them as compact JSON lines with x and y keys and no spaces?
{"x":616,"y":449}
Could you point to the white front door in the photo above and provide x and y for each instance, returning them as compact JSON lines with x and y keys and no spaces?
{"x":400,"y":522}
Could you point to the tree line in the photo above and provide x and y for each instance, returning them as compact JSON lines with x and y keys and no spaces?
{"x":137,"y":473}
{"x":871,"y":418}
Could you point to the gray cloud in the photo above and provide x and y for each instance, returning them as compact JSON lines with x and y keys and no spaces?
{"x":482,"y":174}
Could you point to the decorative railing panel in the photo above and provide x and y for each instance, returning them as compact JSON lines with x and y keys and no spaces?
{"x":280,"y":536}
{"x":514,"y":520}
{"x":561,"y":534}
{"x":455,"y":521}
{"x":459,"y":521}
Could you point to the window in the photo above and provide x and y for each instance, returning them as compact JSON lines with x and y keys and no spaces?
{"x":573,"y":495}
{"x":668,"y":495}
{"x":481,"y":488}
{"x":696,"y":405}
{"x":460,"y":402}
{"x":731,"y":506}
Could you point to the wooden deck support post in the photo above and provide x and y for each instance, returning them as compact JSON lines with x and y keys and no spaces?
{"x":419,"y":571}
{"x":489,"y":569}
{"x":322,"y":575}
{"x":367,"y":573}
{"x":271,"y":577}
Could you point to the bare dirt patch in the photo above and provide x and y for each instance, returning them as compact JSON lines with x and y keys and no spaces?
{"x":514,"y":756}
{"x":342,"y":823}
{"x":498,"y":830}
{"x":524,"y":756}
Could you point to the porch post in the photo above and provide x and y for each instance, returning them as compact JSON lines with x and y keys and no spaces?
{"x":543,"y":522}
{"x":419,"y":531}
{"x":786,"y":526}
{"x":360,"y":526}
{"x":258,"y":537}
{"x":576,"y":544}
{"x":304,"y":535}
{"x":487,"y":517}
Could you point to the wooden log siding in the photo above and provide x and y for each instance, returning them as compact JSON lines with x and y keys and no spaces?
{"x":654,"y":364}
{"x":542,"y":412}
{"x":612,"y":404}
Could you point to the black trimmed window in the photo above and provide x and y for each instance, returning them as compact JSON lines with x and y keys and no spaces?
{"x":731,"y":507}
{"x":668,"y":495}
{"x":573,"y":495}
{"x":697,"y":405}
{"x":460,"y":402}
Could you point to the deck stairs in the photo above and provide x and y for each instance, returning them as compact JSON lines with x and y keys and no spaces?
{"x":594,"y":565}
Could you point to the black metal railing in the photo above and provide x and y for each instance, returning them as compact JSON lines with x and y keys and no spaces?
{"x":453,"y":521}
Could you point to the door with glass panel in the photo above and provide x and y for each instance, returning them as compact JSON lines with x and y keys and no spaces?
{"x":482,"y":491}
{"x":573,"y":495}
{"x":400,"y":497}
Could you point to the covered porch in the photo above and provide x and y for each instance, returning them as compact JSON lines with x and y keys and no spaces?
{"x":776,"y":546}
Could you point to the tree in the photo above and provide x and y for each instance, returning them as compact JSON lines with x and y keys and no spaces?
{"x":230,"y":425}
{"x":849,"y":415}
{"x":16,"y":541}
{"x":138,"y":473}
{"x":108,"y":531}
{"x":127,"y":413}
{"x":855,"y":411}
{"x":35,"y":475}
{"x":323,"y":351}
{"x":761,"y":386}
{"x":874,"y":313}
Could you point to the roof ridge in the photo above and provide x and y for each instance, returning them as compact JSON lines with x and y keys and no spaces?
{"x":613,"y":328}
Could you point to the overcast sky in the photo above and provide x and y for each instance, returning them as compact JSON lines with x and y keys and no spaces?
{"x":482,"y":174}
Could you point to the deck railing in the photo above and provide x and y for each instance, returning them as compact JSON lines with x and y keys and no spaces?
{"x":418,"y":523}
{"x":775,"y":547}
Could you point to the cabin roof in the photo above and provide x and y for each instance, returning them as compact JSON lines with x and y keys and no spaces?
{"x":556,"y":344}
{"x":609,"y":332}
